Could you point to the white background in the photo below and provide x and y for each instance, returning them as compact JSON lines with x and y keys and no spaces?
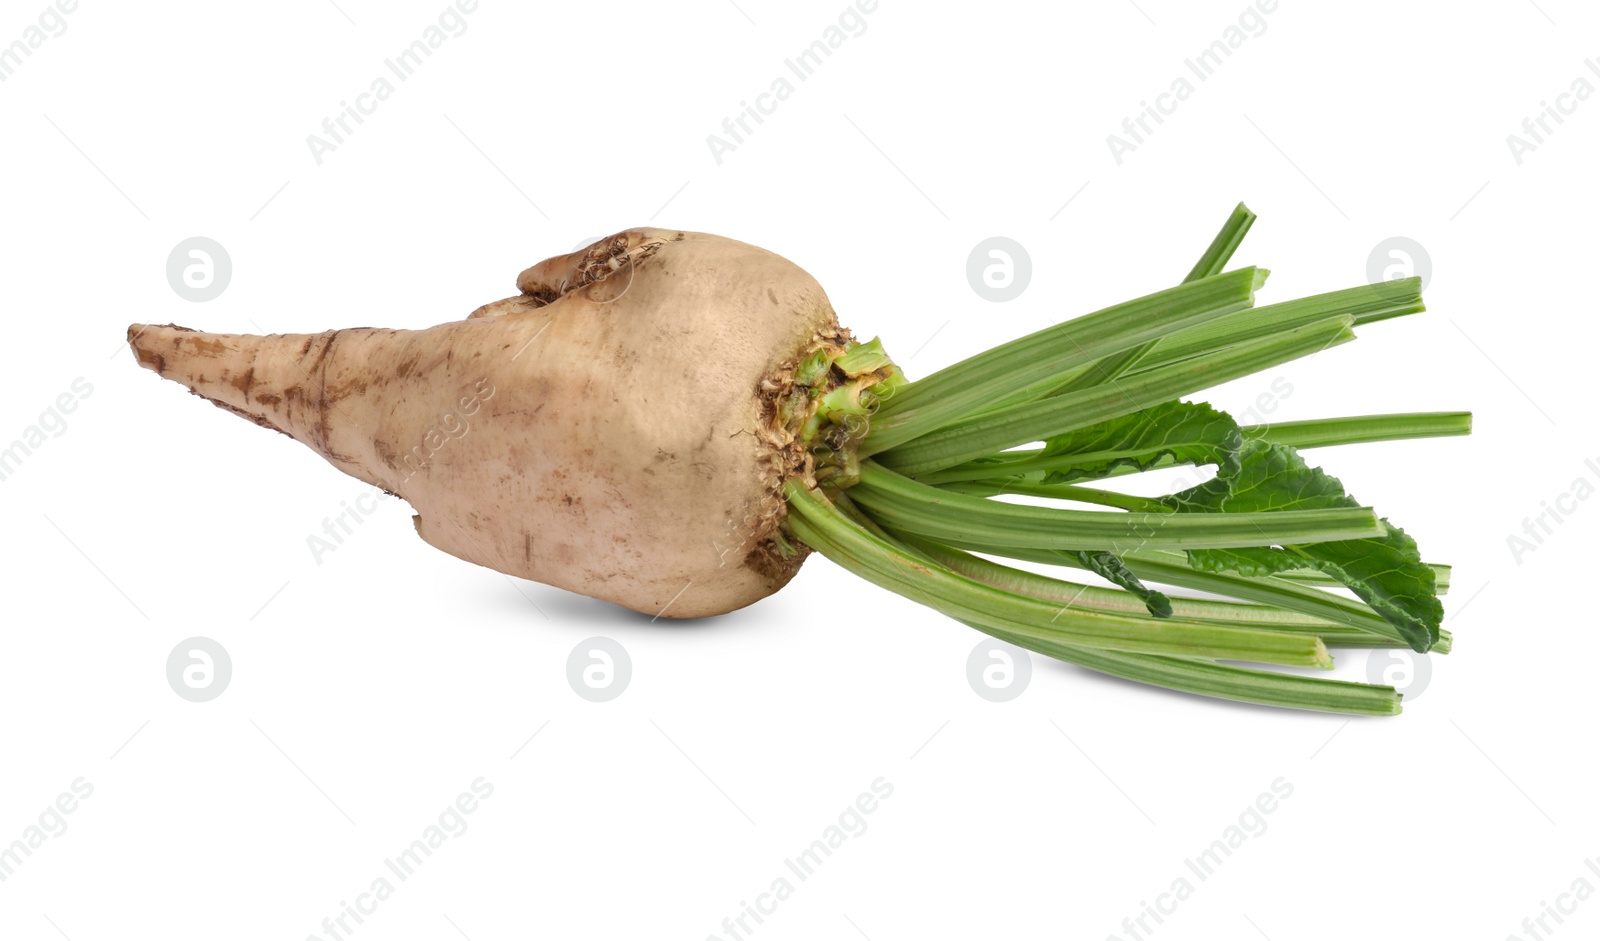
{"x":369,"y":690}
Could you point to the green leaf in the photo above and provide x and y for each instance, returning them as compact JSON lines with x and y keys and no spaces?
{"x":1173,"y":432}
{"x":1110,"y":568}
{"x":1387,"y":572}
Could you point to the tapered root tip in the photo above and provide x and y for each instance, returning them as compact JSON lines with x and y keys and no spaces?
{"x":216,"y":366}
{"x":290,"y":383}
{"x":142,"y":338}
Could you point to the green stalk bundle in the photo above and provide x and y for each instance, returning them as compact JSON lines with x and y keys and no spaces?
{"x":909,"y":498}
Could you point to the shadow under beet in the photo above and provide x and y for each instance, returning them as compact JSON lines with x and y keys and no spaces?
{"x":578,"y":612}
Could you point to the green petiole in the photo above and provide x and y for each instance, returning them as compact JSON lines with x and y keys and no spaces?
{"x":1036,"y":361}
{"x":817,"y":522}
{"x":992,"y":432}
{"x":1363,"y":429}
{"x":901,"y":503}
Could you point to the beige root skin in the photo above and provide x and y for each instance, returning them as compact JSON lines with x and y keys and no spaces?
{"x":605,"y":431}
